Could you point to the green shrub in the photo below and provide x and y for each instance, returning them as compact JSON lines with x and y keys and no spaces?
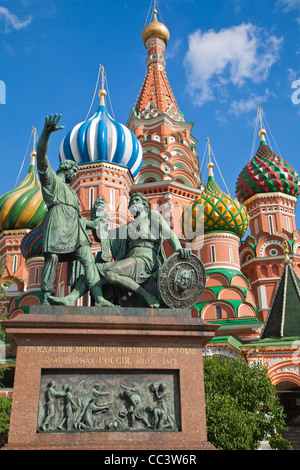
{"x":241,"y":406}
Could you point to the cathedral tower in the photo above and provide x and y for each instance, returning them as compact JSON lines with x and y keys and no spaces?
{"x":269,"y":188}
{"x":170,"y":175}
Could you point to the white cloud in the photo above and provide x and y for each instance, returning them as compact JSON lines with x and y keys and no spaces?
{"x":289,"y":5}
{"x":235,"y":55}
{"x":11,"y":21}
{"x":249,"y":104}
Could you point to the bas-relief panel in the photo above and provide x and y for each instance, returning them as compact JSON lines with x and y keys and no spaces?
{"x":101,"y":400}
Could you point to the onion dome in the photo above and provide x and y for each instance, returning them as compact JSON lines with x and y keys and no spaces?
{"x":102,"y":139}
{"x":216,"y":210}
{"x":155,"y":29}
{"x":24,"y":206}
{"x":32,"y":243}
{"x":267,"y":173}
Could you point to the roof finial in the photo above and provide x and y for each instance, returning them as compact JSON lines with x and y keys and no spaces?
{"x":102,"y":93}
{"x":33,"y":153}
{"x":210,"y":165}
{"x":262,"y":132}
{"x":286,"y":250}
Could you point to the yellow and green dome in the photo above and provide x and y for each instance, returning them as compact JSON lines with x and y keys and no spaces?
{"x":221,"y":212}
{"x":23,"y":207}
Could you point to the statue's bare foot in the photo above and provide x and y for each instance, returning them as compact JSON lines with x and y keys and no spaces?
{"x":101,"y":302}
{"x":60,"y":300}
{"x":152,"y":301}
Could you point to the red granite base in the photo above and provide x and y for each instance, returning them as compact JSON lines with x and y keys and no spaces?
{"x":65,"y":344}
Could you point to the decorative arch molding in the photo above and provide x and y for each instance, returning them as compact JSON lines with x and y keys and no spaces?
{"x":231,"y":293}
{"x":151,"y":172}
{"x":296,"y":246}
{"x":246,"y":310}
{"x":221,"y":279}
{"x":239,"y":281}
{"x":208,"y":296}
{"x":284,"y":377}
{"x":151,"y":160}
{"x":222,"y":303}
{"x":269,"y":243}
{"x":245,"y":252}
{"x":148,"y":142}
{"x":29,"y":299}
{"x":15,"y":313}
{"x":180,"y":164}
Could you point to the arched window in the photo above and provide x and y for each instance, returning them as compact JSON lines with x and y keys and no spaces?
{"x":112,"y":199}
{"x":218,"y":312}
{"x":15,"y":264}
{"x":271,"y":226}
{"x":230,"y":254}
{"x":36,"y":276}
{"x":91,"y":197}
{"x":213,"y":254}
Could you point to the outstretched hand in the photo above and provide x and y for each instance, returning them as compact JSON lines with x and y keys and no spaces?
{"x":184,"y":253}
{"x":51,"y":124}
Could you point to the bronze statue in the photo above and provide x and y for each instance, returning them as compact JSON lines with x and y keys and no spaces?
{"x":136,"y":248}
{"x":65,"y":237}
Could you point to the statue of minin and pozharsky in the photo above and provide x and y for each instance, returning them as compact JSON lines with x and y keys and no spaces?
{"x":131,"y":263}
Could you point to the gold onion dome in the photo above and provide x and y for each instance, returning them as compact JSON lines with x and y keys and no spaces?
{"x":221,"y":212}
{"x":155,"y":29}
{"x":23,"y":207}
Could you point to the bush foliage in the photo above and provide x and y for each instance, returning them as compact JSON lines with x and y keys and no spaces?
{"x":242,"y":409}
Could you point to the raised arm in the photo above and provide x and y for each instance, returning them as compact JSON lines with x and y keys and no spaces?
{"x":51,"y":125}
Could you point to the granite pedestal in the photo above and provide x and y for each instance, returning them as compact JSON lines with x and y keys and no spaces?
{"x":110,"y":378}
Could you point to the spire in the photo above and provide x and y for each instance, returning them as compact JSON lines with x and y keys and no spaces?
{"x":102,"y":93}
{"x":286,"y":250}
{"x":210,"y":164}
{"x":33,"y":153}
{"x":155,"y":29}
{"x":156,"y":96}
{"x":262,"y":132}
{"x":284,"y":317}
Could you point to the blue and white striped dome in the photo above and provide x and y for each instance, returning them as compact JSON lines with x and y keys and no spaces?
{"x":101,"y":139}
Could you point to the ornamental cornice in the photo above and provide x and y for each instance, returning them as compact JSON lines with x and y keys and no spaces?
{"x":269,"y":195}
{"x":147,"y":124}
{"x":34,"y":259}
{"x":222,"y":235}
{"x":16,"y":231}
{"x":166,"y":187}
{"x":111,"y":166}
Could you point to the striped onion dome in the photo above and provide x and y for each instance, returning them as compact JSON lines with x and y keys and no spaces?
{"x":32,"y":243}
{"x":214,"y":211}
{"x":23,"y":207}
{"x":102,"y":139}
{"x":267,"y":173}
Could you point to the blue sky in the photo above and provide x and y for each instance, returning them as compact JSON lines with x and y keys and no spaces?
{"x":223,"y":57}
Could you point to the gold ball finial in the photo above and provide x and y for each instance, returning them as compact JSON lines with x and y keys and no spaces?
{"x":210,"y":164}
{"x":262,"y":133}
{"x":102,"y":95}
{"x":286,"y":250}
{"x":156,"y":29}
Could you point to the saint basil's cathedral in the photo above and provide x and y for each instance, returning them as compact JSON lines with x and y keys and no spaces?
{"x":249,"y":243}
